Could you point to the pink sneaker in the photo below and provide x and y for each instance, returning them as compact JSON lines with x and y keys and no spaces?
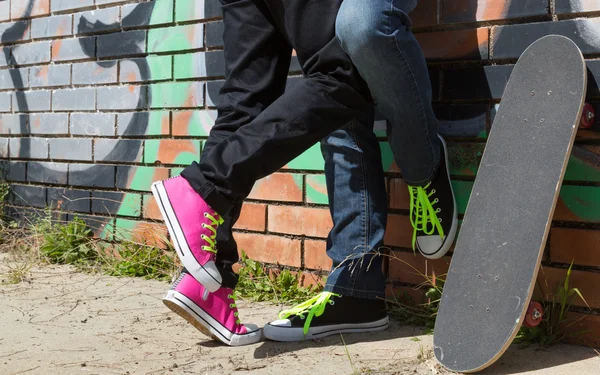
{"x":192,"y":225}
{"x":214,"y":314}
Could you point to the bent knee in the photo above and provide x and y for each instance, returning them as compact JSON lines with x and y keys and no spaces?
{"x":356,"y":31}
{"x":361,"y":28}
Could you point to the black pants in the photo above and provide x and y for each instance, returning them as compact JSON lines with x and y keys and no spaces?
{"x":260,"y":128}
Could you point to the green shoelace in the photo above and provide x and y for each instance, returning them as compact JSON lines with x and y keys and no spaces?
{"x":212,"y":240}
{"x":311,"y":308}
{"x":423,"y":216}
{"x":233,"y":306}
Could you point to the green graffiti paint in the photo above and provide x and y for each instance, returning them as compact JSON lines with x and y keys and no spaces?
{"x":190,"y":65}
{"x":108,"y":230}
{"x":462,"y":193}
{"x":131,"y":205}
{"x":578,"y":170}
{"x":582,"y":201}
{"x":310,"y":160}
{"x":464,"y":158}
{"x":162,"y":12}
{"x":143,"y":179}
{"x":174,"y":38}
{"x":186,"y":10}
{"x":124,"y":229}
{"x":387,"y":157}
{"x":316,"y":189}
{"x":172,"y":95}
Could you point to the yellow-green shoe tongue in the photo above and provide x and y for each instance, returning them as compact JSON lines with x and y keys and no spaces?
{"x":313,"y":307}
{"x":423,"y":217}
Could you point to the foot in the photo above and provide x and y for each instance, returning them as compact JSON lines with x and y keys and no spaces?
{"x":328,"y":314}
{"x":214,"y":314}
{"x":192,"y":225}
{"x":433,"y":213}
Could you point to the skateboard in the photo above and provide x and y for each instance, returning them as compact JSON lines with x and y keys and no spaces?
{"x":499,"y":249}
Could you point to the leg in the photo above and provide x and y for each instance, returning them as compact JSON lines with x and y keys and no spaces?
{"x":376,"y":35}
{"x":257,"y":59}
{"x":331,"y":95}
{"x":357,"y":200}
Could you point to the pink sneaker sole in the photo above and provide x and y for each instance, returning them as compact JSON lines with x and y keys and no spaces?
{"x":206,"y":324}
{"x":207,"y":274}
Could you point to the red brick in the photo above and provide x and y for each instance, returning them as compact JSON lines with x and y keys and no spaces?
{"x":425,"y":14}
{"x":585,"y":329}
{"x":399,"y":231}
{"x":579,"y":245}
{"x":151,"y":210}
{"x":152,"y":234}
{"x":400,"y":294}
{"x":278,"y":187}
{"x":253,"y":217}
{"x":399,"y":197}
{"x":270,"y":249}
{"x":471,"y":44}
{"x":490,"y":10}
{"x":315,"y":256}
{"x":311,"y":279}
{"x":550,"y":278}
{"x":306,"y":278}
{"x":412,"y":269}
{"x":308,"y":221}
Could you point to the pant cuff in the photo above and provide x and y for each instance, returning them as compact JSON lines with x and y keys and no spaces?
{"x":351,"y":292}
{"x":206,"y":189}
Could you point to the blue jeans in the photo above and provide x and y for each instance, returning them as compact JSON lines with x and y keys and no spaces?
{"x":358,"y":205}
{"x":376,"y":35}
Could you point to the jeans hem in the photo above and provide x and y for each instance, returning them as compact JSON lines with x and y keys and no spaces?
{"x":352,"y":292}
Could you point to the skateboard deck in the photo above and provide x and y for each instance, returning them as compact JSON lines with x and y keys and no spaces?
{"x":500,"y":245}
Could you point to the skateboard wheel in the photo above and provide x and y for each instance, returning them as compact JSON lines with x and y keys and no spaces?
{"x":534,"y":314}
{"x":588,"y":116}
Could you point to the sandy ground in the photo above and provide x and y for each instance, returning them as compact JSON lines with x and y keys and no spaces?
{"x":63,"y":322}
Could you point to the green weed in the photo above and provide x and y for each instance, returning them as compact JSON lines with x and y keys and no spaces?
{"x":140,"y":260}
{"x":256,"y":284}
{"x":552,"y":328}
{"x":69,"y":243}
{"x":403,"y":308}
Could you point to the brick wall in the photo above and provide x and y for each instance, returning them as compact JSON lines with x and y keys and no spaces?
{"x":98,"y":98}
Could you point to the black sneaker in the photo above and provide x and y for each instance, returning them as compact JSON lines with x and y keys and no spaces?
{"x":328,"y":314}
{"x":433,"y":213}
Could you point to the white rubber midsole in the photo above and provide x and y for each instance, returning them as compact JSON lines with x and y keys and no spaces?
{"x":207,"y":274}
{"x":282,"y":333}
{"x":203,"y":318}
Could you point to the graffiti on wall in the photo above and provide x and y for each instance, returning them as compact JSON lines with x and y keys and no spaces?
{"x":580,"y":200}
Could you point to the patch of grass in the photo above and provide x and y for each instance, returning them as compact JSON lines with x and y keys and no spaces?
{"x":424,"y":354}
{"x":68,"y":243}
{"x":72,"y":243}
{"x":140,"y":260}
{"x":403,"y":308}
{"x":284,"y":287}
{"x":18,"y":272}
{"x":553,"y":327}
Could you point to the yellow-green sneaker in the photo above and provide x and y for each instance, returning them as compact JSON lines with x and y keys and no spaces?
{"x":433,"y":212}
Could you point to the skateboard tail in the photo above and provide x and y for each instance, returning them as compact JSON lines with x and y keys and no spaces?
{"x":456,"y":345}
